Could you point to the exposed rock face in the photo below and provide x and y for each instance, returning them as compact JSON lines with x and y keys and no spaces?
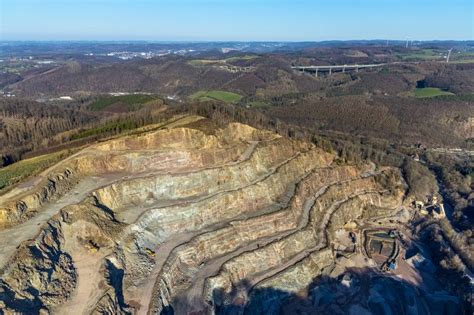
{"x":42,"y":275}
{"x":50,"y":188}
{"x":181,"y":219}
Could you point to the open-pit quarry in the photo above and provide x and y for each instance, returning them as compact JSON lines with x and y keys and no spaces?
{"x":191,"y":218}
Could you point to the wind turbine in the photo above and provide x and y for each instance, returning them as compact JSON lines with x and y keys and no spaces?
{"x":449,"y":55}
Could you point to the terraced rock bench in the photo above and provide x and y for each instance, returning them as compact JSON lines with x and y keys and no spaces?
{"x":182,"y":219}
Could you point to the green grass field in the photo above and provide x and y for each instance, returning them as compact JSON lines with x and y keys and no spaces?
{"x":257,"y":104}
{"x":437,"y":54}
{"x":238,"y":58}
{"x":107,"y":128}
{"x":215,"y":95}
{"x":16,"y":172}
{"x":463,"y":54}
{"x":203,"y":62}
{"x":430,"y":92}
{"x":132,"y":101}
{"x":462,"y":61}
{"x":462,"y":57}
{"x":422,"y":54}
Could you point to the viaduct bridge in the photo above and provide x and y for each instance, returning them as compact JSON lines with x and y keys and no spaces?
{"x":333,"y":68}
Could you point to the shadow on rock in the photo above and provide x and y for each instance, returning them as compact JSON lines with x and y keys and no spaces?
{"x":357,"y":291}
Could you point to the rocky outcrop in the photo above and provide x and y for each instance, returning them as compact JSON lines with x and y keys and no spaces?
{"x":23,"y":208}
{"x":40,"y":275}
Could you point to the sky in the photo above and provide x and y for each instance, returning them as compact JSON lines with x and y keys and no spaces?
{"x":236,"y":20}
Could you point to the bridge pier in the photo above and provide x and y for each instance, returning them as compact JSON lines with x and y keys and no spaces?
{"x":330,"y":71}
{"x":316,"y":73}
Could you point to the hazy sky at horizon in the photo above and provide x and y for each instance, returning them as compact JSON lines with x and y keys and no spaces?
{"x":279,"y":20}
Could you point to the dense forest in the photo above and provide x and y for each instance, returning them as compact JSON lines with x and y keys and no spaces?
{"x":28,"y":127}
{"x":400,"y":120}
